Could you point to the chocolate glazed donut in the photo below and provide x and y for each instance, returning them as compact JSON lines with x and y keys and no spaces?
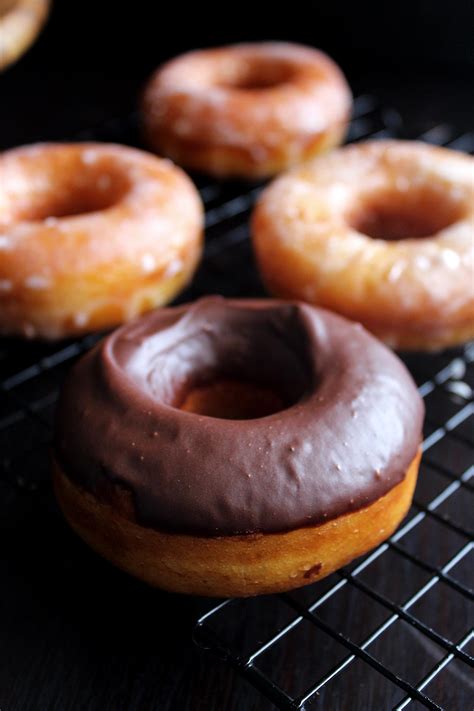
{"x":155,"y":470}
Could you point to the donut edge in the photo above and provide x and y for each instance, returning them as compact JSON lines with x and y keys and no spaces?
{"x":24,"y":23}
{"x":231,"y":566}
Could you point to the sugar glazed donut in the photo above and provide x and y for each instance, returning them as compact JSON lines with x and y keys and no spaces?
{"x":248,"y":110}
{"x":20,"y":23}
{"x":237,"y":447}
{"x":380,"y":232}
{"x":91,"y":235}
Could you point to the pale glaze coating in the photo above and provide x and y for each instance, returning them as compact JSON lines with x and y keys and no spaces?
{"x":351,"y":428}
{"x":90,"y":236}
{"x":413,"y":292}
{"x":246,"y":110}
{"x":20,"y":23}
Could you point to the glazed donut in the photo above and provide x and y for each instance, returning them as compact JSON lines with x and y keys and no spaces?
{"x":90,"y":235}
{"x":231,"y":448}
{"x":380,"y":232}
{"x":248,"y":110}
{"x":20,"y":24}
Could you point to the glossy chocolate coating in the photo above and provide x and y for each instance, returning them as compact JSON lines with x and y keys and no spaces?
{"x":351,"y":427}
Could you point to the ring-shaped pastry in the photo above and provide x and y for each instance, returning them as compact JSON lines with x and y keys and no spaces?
{"x":248,"y":110}
{"x":237,"y":447}
{"x":380,"y":232}
{"x":90,"y":236}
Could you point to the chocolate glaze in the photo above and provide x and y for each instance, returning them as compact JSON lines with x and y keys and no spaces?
{"x":350,"y":430}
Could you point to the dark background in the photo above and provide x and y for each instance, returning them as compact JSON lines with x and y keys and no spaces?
{"x":93,"y":57}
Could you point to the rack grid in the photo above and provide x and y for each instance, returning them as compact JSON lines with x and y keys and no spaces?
{"x":395,"y":625}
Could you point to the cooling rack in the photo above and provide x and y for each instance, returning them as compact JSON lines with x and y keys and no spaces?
{"x":394,"y":627}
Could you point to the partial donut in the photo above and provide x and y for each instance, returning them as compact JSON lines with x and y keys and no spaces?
{"x":237,"y":447}
{"x":91,"y":235}
{"x":381,"y":232}
{"x":20,"y":23}
{"x":247,"y":110}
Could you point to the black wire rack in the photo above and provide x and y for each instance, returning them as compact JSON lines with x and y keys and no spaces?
{"x":395,"y":626}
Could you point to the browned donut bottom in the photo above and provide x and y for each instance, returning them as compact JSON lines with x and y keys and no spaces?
{"x":230,"y":566}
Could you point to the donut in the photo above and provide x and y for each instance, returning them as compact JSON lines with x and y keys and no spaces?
{"x":380,"y":232}
{"x":247,"y":110}
{"x":20,"y":23}
{"x":91,"y":235}
{"x":232,"y":448}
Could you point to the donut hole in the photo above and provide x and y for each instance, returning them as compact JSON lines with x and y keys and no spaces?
{"x":232,"y":400}
{"x":43,"y":191}
{"x":102,"y":192}
{"x":256,"y":384}
{"x":412,"y":214}
{"x":236,"y":394}
{"x":258,"y":75}
{"x":79,"y":201}
{"x":249,"y":367}
{"x":230,"y":364}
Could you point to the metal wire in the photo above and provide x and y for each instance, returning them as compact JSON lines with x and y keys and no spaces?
{"x":455,"y":650}
{"x":30,"y":377}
